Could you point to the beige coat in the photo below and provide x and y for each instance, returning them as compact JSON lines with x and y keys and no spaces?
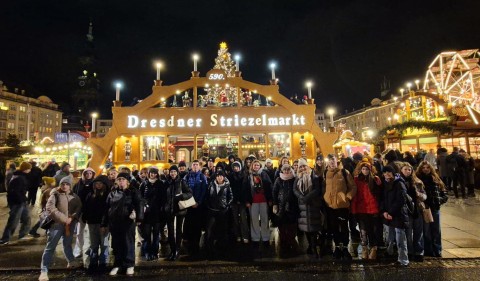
{"x":69,"y":205}
{"x":338,"y":192}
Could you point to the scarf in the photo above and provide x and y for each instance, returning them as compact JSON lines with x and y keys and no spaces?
{"x":304,"y":182}
{"x":287,"y":177}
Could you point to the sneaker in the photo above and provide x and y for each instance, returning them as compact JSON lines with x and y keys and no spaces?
{"x":245,"y":241}
{"x":73,"y":264}
{"x":130,"y":271}
{"x":34,"y":235}
{"x":4,"y":242}
{"x":239,"y":239}
{"x":43,"y":276}
{"x":114,"y":271}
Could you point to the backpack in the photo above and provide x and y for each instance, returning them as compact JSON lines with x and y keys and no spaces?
{"x":344,"y":174}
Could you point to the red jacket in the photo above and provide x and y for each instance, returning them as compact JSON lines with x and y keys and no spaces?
{"x":364,"y":202}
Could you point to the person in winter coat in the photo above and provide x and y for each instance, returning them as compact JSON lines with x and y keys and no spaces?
{"x":217,"y":201}
{"x":194,"y":220}
{"x":82,"y":188}
{"x":391,"y":159}
{"x":436,"y":196}
{"x":284,"y":160}
{"x":469,"y":173}
{"x":285,"y":208}
{"x":239,"y":210}
{"x":94,"y":206}
{"x":34,"y":180}
{"x":340,"y":189}
{"x":394,"y":211}
{"x":457,"y":167}
{"x":431,"y":158}
{"x":9,"y":174}
{"x":416,"y":191}
{"x":124,"y":210}
{"x":177,"y":190}
{"x":64,"y":207}
{"x":48,"y":185}
{"x":307,"y":189}
{"x":63,"y":172}
{"x":443,"y":171}
{"x":51,"y":169}
{"x":258,"y":198}
{"x":365,"y":207}
{"x":18,"y":204}
{"x":269,"y":169}
{"x":408,"y":157}
{"x":319,"y":168}
{"x":153,"y":192}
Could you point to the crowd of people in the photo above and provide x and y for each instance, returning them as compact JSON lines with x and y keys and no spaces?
{"x":390,"y":201}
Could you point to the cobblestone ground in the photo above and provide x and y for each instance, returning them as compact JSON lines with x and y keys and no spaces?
{"x":452,"y":269}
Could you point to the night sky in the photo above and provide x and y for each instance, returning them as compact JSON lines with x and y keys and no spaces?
{"x":345,"y":47}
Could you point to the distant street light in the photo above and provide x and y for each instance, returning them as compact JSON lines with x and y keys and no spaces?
{"x":118,"y":86}
{"x":309,"y":85}
{"x":272,"y":66}
{"x":331,"y":112}
{"x":94,"y":121}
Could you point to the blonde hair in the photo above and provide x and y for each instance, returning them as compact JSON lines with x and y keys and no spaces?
{"x":434,"y":174}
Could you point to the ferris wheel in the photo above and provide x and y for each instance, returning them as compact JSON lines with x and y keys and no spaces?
{"x":455,"y":76}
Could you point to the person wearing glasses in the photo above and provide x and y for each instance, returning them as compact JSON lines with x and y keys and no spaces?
{"x":125,"y":209}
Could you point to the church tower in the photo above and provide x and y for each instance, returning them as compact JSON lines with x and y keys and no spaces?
{"x":86,"y":95}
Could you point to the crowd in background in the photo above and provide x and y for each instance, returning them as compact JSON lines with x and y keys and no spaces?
{"x":390,"y":201}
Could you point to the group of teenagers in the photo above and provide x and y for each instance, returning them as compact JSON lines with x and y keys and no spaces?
{"x":239,"y":201}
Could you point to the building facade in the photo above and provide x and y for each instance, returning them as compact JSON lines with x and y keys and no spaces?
{"x":366,"y":122}
{"x":28,"y":118}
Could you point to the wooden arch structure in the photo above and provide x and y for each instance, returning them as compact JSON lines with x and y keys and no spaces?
{"x":147,"y":116}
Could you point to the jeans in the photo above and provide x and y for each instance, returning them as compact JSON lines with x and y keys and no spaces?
{"x":80,"y":241}
{"x":18,"y":213}
{"x":433,"y":236}
{"x":415,"y":235}
{"x":151,"y":236}
{"x":240,"y":220}
{"x":259,"y":222}
{"x":399,"y":236}
{"x":54,"y":234}
{"x":98,"y":241}
{"x":216,"y":228}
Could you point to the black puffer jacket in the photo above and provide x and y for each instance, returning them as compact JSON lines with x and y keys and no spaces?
{"x":17,"y":189}
{"x":177,"y":190}
{"x":120,"y":204}
{"x":310,"y":203}
{"x":394,"y":199}
{"x":286,"y":201}
{"x":236,"y":183}
{"x":95,"y":206}
{"x":153,"y":194}
{"x":219,"y":202}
